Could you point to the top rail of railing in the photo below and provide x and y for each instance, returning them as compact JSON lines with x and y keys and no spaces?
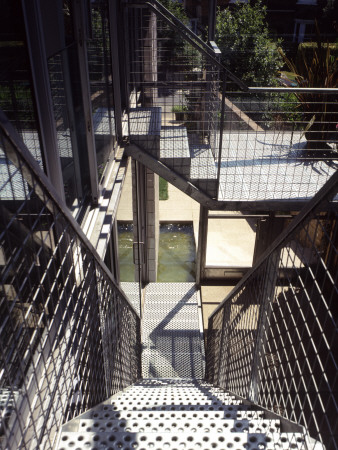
{"x":209,"y":51}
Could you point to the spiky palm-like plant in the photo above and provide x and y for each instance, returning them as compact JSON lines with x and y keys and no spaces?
{"x":320,"y":109}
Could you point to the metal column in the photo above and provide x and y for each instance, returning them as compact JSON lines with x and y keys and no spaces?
{"x":42,"y":93}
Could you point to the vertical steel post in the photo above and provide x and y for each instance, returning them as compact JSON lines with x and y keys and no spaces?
{"x":202,"y":244}
{"x":212,"y":20}
{"x":80,"y":30}
{"x":42,"y":93}
{"x":221,"y":128}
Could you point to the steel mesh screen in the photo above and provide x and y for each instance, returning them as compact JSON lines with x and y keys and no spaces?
{"x":233,"y":142}
{"x":68,"y":337}
{"x":278,"y":337}
{"x":180,"y":85}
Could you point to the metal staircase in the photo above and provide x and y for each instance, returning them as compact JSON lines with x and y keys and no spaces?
{"x":173,"y":414}
{"x":227,"y":145}
{"x":176,"y":408}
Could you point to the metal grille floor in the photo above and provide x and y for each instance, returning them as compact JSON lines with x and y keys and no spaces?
{"x":171,"y":332}
{"x":269,"y":166}
{"x":173,"y":414}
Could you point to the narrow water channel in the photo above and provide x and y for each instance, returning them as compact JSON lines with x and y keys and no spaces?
{"x":125,"y":237}
{"x":176,"y":256}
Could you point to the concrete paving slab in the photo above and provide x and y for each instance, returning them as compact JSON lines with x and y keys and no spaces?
{"x":211,"y":297}
{"x":231,"y":243}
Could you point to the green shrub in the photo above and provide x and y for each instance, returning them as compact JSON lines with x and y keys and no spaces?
{"x":163,"y":189}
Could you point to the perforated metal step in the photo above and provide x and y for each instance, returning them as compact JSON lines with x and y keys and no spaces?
{"x":173,"y":440}
{"x":174,"y":414}
{"x":145,"y":129}
{"x":174,"y":149}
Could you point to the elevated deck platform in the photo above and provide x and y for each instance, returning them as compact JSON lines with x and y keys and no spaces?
{"x":259,"y":167}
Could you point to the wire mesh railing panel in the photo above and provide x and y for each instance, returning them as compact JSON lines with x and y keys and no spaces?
{"x":277,"y":343}
{"x":181,"y":85}
{"x":63,"y":322}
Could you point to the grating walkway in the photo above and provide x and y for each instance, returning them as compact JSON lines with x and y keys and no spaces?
{"x":171,"y":337}
{"x":269,"y":166}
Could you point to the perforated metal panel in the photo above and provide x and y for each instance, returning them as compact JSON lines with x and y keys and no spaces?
{"x":171,"y":340}
{"x":173,"y":414}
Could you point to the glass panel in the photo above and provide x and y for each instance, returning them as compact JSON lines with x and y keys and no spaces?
{"x":69,"y":117}
{"x":100,"y":79}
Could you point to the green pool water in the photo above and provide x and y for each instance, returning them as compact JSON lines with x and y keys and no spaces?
{"x":127,"y":268}
{"x":176,"y":256}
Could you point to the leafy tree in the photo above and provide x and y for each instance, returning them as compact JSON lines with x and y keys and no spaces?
{"x":242,"y":35}
{"x":177,"y":10}
{"x":176,"y":53}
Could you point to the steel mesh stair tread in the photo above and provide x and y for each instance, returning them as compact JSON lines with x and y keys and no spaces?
{"x":168,"y":425}
{"x":202,"y":163}
{"x":145,"y":129}
{"x":174,"y":142}
{"x":145,"y":121}
{"x":174,"y":149}
{"x":171,"y":288}
{"x":131,"y":289}
{"x":171,"y":339}
{"x":171,"y":440}
{"x":104,"y":121}
{"x":107,"y":412}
